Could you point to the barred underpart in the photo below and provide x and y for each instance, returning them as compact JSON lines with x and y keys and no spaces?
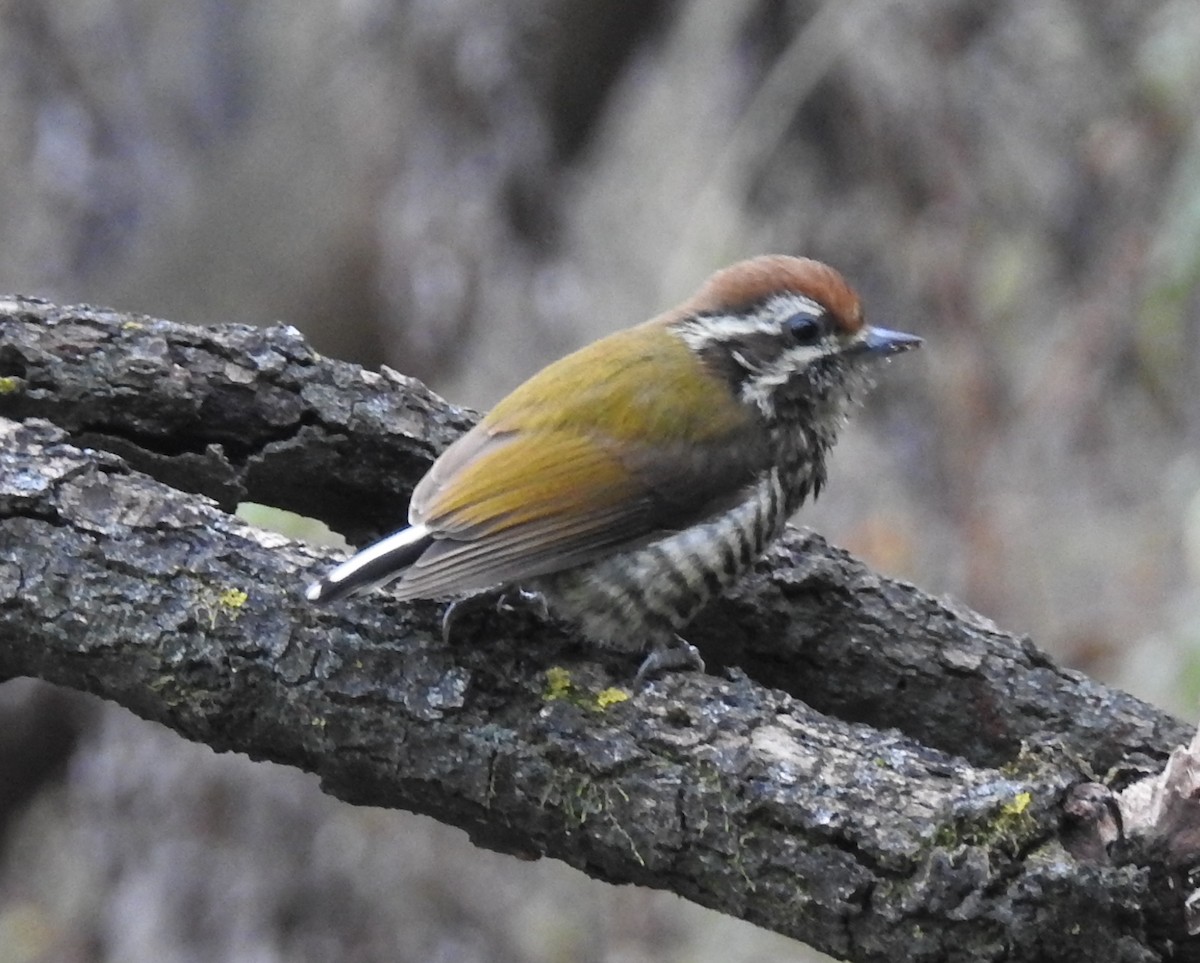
{"x":642,"y":597}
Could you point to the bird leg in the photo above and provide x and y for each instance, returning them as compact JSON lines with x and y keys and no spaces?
{"x":664,"y":656}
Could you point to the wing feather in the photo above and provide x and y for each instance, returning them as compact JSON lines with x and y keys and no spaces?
{"x":521,"y":506}
{"x":451,"y":567}
{"x":526,"y":492}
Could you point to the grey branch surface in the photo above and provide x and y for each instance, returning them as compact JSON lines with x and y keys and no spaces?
{"x":871,"y":770}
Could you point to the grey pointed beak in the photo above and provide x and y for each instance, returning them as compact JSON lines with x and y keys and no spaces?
{"x":881,"y":342}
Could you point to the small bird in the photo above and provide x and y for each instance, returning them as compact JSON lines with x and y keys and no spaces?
{"x":631,"y":481}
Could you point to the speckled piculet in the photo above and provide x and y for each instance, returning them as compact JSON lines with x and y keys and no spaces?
{"x":631,"y":481}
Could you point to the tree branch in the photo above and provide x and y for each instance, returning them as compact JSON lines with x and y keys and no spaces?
{"x":778,"y":791}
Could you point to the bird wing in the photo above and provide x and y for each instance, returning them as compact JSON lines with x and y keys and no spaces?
{"x":507,"y":506}
{"x":605,"y":448}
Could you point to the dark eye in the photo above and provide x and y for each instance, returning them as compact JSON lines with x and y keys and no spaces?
{"x":805,"y":328}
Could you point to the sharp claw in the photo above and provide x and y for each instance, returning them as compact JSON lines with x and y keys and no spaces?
{"x":454,"y":613}
{"x":532,"y":600}
{"x":679,"y":654}
{"x":462,"y":608}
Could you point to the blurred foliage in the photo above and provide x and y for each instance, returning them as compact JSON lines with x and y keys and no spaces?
{"x":464,"y":190}
{"x":289,"y":524}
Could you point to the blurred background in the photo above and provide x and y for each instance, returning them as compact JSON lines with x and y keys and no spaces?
{"x":464,"y":190}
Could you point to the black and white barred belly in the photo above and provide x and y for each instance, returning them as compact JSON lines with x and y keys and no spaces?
{"x":644,"y":596}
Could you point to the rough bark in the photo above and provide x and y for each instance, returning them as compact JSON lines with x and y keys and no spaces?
{"x":873,"y":771}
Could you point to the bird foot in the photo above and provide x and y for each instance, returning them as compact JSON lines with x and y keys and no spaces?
{"x":664,"y":657}
{"x":495,"y":600}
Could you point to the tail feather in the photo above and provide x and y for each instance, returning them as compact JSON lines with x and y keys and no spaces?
{"x":375,"y":565}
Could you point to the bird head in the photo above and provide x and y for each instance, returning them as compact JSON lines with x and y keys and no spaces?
{"x":787,"y":335}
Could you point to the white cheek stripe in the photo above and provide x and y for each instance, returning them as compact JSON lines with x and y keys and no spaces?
{"x":759,"y":388}
{"x":699,"y":332}
{"x":762,"y":381}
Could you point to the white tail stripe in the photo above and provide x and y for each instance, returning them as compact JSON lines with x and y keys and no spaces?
{"x":355,"y":564}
